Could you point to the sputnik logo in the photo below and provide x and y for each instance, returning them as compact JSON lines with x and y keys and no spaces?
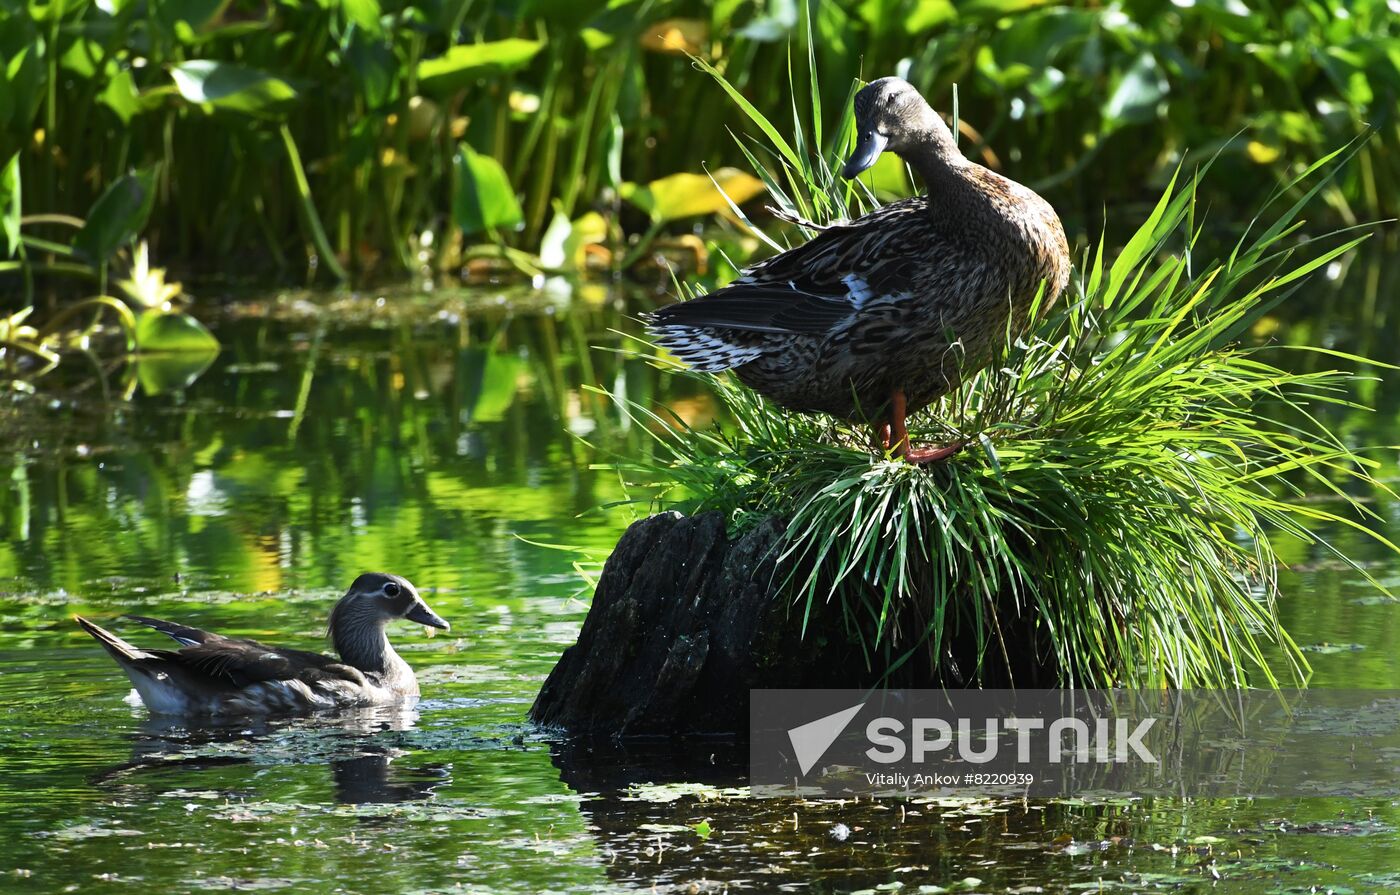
{"x":811,"y":740}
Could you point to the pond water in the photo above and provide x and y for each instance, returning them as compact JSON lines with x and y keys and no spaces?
{"x":446,"y":437}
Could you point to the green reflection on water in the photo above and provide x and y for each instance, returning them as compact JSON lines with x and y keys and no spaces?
{"x":432,"y":436}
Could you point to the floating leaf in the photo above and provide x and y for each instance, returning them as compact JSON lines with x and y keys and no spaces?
{"x":702,"y":829}
{"x":233,"y":88}
{"x":461,"y":65}
{"x":687,"y":195}
{"x":484,"y":199}
{"x":159,"y":332}
{"x":117,"y":216}
{"x":161,"y":373}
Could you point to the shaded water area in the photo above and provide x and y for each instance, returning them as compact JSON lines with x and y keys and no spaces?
{"x":448,"y":437}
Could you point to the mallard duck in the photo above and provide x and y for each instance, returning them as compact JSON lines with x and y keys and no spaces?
{"x":875,"y":318}
{"x":211,"y":674}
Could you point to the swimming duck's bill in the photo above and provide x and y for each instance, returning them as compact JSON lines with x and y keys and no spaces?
{"x":419,"y":613}
{"x":869,"y":144}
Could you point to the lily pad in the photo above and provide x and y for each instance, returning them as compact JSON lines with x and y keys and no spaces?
{"x":163,"y":373}
{"x":161,"y":332}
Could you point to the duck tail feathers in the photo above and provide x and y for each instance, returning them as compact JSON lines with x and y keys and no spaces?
{"x":703,"y":349}
{"x":119,"y":649}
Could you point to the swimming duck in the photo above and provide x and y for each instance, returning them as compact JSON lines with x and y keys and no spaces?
{"x":211,"y":674}
{"x":875,"y":318}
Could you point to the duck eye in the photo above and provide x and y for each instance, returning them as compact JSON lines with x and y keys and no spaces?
{"x":391,"y":589}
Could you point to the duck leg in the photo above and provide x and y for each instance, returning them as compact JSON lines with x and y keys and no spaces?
{"x":898,"y":431}
{"x":899,"y":436}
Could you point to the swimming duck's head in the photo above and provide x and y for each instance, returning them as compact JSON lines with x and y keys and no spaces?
{"x":378,"y":597}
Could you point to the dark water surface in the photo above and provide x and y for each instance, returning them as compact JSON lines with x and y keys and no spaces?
{"x":441,"y":437}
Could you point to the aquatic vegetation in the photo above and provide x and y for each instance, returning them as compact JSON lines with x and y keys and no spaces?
{"x":169,"y":346}
{"x":376,"y":136}
{"x":1128,"y":462}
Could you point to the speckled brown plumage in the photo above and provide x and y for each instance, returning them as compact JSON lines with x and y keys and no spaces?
{"x":910,"y":298}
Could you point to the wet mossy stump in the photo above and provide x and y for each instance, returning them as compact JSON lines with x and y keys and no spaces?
{"x":686,"y":620}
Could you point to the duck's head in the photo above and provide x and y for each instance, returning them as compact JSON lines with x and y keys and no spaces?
{"x":890,"y":114}
{"x":377,"y":598}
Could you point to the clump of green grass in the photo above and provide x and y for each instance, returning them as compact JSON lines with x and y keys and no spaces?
{"x":1127,"y":461}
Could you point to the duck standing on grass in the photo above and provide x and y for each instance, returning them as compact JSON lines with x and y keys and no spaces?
{"x":875,"y":319}
{"x":215,"y":675}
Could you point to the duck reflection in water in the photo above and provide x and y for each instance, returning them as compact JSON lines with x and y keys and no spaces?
{"x":359,"y":745}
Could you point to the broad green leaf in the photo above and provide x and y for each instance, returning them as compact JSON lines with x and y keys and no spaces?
{"x":687,"y":195}
{"x":234,"y":88}
{"x":596,"y":40}
{"x":117,"y":216}
{"x":484,"y":199}
{"x":82,"y":58}
{"x":160,"y":332}
{"x":364,"y":13}
{"x":461,"y":65}
{"x":1138,"y":92}
{"x":22,"y":92}
{"x":928,"y":14}
{"x":10,"y":204}
{"x":121,"y":97}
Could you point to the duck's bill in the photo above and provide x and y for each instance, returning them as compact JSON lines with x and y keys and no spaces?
{"x":869,"y":145}
{"x":422,"y":615}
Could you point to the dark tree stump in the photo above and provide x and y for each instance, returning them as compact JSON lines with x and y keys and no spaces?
{"x":685,"y":621}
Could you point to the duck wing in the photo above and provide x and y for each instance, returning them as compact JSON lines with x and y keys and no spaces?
{"x":182,"y":634}
{"x":812,"y":288}
{"x":213,"y":661}
{"x":241,"y":663}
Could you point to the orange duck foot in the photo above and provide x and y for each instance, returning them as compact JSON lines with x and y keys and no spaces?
{"x":932,"y":454}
